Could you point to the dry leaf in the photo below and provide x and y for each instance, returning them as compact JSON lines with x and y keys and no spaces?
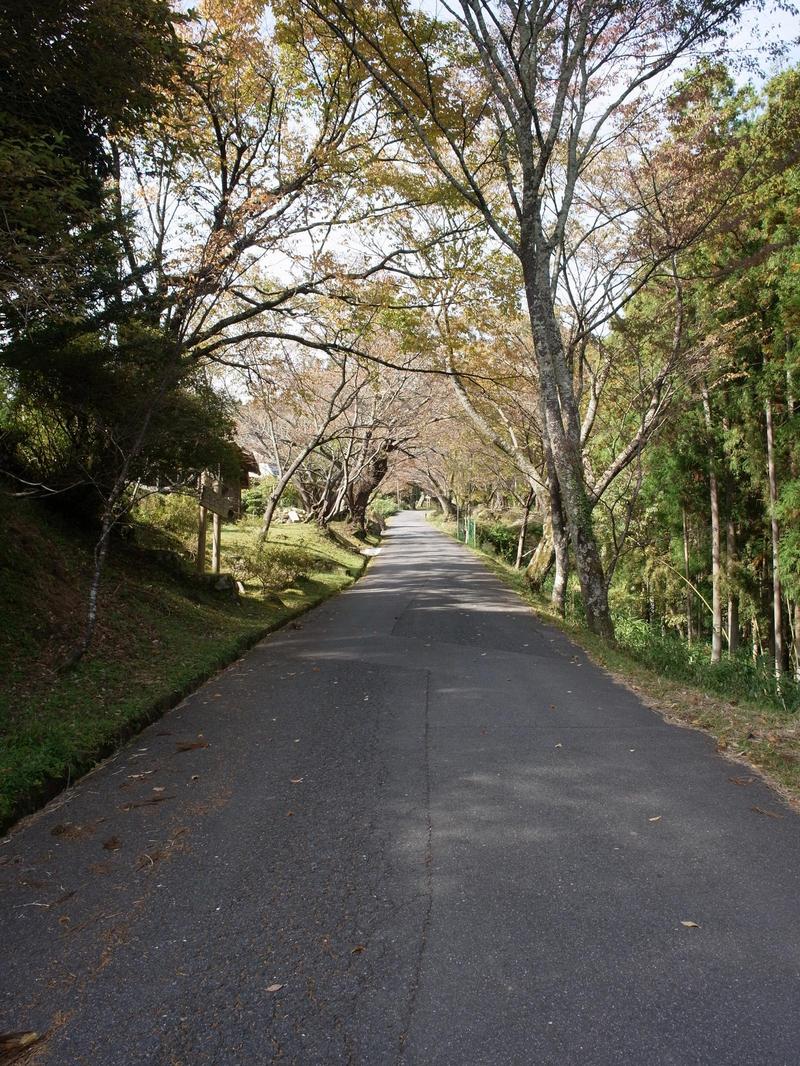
{"x":190,"y":745}
{"x":742,"y":780}
{"x":13,"y":1044}
{"x":295,"y":780}
{"x":769,"y":814}
{"x":358,"y":949}
{"x":112,"y":844}
{"x":145,"y":803}
{"x":274,"y":988}
{"x":655,"y":818}
{"x":690,"y":925}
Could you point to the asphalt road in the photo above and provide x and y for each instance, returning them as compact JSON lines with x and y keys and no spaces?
{"x":444,"y":834}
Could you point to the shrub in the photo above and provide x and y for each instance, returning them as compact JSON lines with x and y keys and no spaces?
{"x":275,"y":567}
{"x":254,"y":499}
{"x":173,"y":514}
{"x":496,"y":538}
{"x":737,"y":677}
{"x":383,"y":506}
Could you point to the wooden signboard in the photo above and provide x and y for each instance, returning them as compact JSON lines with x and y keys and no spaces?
{"x":226,"y":501}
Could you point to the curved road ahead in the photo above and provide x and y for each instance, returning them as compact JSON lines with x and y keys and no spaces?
{"x":444,"y":834}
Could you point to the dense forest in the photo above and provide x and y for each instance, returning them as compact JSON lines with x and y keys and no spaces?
{"x":535,"y":266}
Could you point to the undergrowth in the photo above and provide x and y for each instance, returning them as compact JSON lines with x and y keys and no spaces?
{"x":161,"y":632}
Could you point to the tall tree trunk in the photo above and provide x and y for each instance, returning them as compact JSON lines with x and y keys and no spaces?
{"x":274,"y":497}
{"x":733,"y":594}
{"x":100,"y":553}
{"x":280,"y":487}
{"x":523,"y":529}
{"x":716,"y":594}
{"x":444,"y":506}
{"x":558,"y":597}
{"x":777,"y":596}
{"x":360,"y":492}
{"x":791,"y":407}
{"x":541,"y":560}
{"x":686,"y":574}
{"x":562,"y":432}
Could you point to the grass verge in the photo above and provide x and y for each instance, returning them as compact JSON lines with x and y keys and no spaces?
{"x":764,"y":736}
{"x":161,"y":634}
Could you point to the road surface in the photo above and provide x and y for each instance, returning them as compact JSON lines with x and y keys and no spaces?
{"x":420,"y":828}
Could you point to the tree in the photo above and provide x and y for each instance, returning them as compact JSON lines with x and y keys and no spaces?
{"x":63,"y":92}
{"x":515,"y":104}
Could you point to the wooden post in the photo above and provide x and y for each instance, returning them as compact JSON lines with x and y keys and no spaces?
{"x":216,"y":542}
{"x":201,"y":532}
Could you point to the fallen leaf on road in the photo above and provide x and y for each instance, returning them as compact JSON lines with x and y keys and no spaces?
{"x":742,"y":780}
{"x":13,"y":1044}
{"x":358,"y":949}
{"x":769,"y":814}
{"x":145,"y":803}
{"x":295,"y":780}
{"x":274,"y":988}
{"x":71,"y":830}
{"x":690,"y":925}
{"x":190,"y":745}
{"x":112,"y":844}
{"x":655,"y":818}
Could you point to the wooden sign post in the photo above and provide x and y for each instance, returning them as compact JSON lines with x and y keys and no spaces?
{"x":201,"y":531}
{"x":216,"y":542}
{"x":224,"y":501}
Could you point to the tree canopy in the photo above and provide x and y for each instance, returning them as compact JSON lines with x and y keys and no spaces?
{"x":537,"y":262}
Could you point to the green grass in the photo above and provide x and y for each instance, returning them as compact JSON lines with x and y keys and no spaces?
{"x":160,"y":635}
{"x":741,"y":708}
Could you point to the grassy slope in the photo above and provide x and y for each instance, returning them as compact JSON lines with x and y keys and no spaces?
{"x":160,"y":635}
{"x":765,"y":737}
